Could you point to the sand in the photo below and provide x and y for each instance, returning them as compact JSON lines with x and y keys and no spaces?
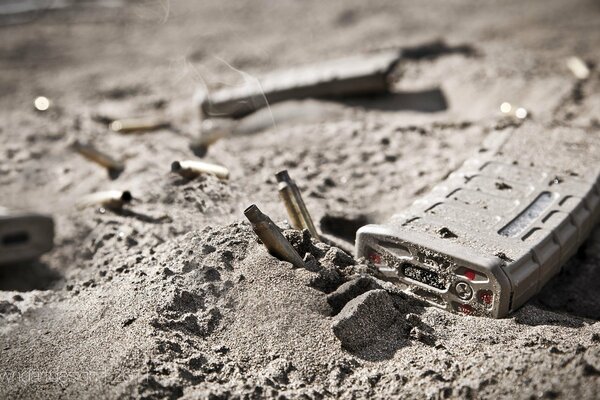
{"x":176,"y":298}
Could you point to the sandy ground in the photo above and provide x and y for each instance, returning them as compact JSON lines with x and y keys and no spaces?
{"x":176,"y":298}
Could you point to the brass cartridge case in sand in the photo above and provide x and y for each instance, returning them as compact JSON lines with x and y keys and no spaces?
{"x":297,"y":211}
{"x":142,"y":124}
{"x":112,"y":199}
{"x":272,"y":237}
{"x":286,"y":192}
{"x":191,"y":168}
{"x":578,"y":67}
{"x":88,"y":151}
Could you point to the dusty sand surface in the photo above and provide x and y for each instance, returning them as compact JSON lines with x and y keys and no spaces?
{"x":176,"y":297}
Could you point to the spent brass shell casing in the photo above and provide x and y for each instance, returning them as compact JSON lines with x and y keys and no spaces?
{"x":287,"y":196}
{"x":578,"y":67}
{"x":41,"y":103}
{"x":112,"y":199}
{"x":272,"y":237}
{"x":513,"y":111}
{"x":297,"y":211}
{"x":191,"y":168}
{"x":142,"y":124}
{"x":88,"y":151}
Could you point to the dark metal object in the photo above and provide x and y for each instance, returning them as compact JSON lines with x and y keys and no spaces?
{"x":351,"y":76}
{"x":24,"y":236}
{"x":272,"y":237}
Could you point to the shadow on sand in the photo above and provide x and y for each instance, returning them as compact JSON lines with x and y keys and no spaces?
{"x":570,"y":298}
{"x":24,"y":277}
{"x":426,"y":101}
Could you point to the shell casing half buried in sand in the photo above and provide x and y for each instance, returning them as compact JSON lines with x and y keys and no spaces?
{"x":271,"y":236}
{"x":141,"y":124}
{"x":191,"y":168}
{"x":112,"y":199}
{"x":286,"y":192}
{"x":578,"y":67}
{"x":297,"y":211}
{"x":90,"y":152}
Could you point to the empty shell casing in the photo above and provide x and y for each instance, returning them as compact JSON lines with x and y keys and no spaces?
{"x":297,"y":211}
{"x":514,"y":111}
{"x":88,"y":151}
{"x":112,"y":199}
{"x":578,"y":67}
{"x":287,"y":196}
{"x":191,"y":168}
{"x":272,"y":237}
{"x":142,"y":124}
